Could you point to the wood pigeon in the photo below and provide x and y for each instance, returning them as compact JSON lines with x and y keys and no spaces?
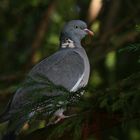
{"x":68,"y":68}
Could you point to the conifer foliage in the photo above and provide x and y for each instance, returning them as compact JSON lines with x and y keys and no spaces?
{"x":110,"y":106}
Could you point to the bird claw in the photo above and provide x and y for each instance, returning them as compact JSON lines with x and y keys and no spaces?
{"x":60,"y":117}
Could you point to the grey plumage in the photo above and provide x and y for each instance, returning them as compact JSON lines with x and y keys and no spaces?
{"x":63,"y":71}
{"x":68,"y":68}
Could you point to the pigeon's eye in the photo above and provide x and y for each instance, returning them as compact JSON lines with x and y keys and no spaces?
{"x":76,"y":27}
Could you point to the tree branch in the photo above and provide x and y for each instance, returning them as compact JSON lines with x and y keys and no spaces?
{"x":41,"y":31}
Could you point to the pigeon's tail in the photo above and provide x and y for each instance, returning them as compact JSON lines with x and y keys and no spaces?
{"x":10,"y":133}
{"x":9,"y":136}
{"x":5,"y":115}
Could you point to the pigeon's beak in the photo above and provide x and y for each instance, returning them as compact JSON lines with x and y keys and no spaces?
{"x":89,"y":32}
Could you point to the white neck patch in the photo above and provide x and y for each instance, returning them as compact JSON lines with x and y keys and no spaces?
{"x":68,"y":44}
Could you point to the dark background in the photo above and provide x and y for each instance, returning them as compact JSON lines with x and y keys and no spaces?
{"x":29,"y":32}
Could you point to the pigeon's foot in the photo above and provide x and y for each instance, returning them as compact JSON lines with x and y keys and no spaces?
{"x":61,"y":117}
{"x":58,"y":116}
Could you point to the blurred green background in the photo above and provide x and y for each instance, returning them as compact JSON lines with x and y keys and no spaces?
{"x":30,"y":31}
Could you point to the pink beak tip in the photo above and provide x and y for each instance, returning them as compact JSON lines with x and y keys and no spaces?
{"x":89,"y":32}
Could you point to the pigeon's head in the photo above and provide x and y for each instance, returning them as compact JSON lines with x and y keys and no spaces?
{"x":75,"y":30}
